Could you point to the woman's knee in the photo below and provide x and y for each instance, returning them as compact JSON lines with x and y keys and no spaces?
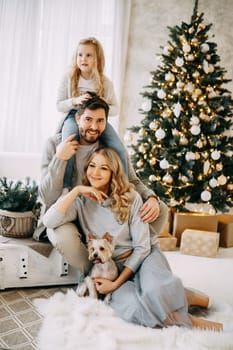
{"x":66,"y":239}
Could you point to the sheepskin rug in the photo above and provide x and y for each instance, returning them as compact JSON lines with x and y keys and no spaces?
{"x":74,"y":323}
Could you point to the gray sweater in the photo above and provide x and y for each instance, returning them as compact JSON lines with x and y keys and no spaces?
{"x":98,"y":219}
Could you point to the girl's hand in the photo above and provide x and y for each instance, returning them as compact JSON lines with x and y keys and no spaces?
{"x":80,"y":99}
{"x":104,"y":286}
{"x":92,"y":193}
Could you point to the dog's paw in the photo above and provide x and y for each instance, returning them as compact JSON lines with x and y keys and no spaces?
{"x":81,"y":289}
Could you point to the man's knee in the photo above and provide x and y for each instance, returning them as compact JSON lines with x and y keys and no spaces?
{"x":66,"y":239}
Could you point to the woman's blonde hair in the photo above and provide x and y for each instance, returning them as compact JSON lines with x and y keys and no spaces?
{"x":98,"y":69}
{"x":121,"y":190}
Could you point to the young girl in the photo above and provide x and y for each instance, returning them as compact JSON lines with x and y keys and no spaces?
{"x":85,"y":78}
{"x":145,"y":292}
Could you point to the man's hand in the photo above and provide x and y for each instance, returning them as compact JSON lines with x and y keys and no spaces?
{"x":68,"y":148}
{"x":150,"y":210}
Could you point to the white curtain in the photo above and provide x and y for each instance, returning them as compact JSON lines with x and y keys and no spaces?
{"x":37,"y":41}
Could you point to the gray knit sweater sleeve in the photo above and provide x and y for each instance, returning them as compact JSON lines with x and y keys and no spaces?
{"x":52,"y":173}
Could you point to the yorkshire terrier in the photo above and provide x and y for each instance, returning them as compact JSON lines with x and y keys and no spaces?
{"x":100,"y":254}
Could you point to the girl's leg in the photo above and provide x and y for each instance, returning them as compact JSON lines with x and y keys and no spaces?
{"x":69,"y":127}
{"x":110,"y":139}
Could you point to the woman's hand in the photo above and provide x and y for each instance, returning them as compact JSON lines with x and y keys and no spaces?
{"x":150,"y":210}
{"x":92,"y":193}
{"x":104,"y":286}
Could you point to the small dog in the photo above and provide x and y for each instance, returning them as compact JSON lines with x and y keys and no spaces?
{"x":100,"y":254}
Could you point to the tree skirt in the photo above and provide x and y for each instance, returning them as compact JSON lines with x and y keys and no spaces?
{"x":74,"y":323}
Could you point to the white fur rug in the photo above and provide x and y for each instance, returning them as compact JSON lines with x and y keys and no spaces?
{"x":74,"y":323}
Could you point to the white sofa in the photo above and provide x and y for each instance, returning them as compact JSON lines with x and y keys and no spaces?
{"x":211,"y":275}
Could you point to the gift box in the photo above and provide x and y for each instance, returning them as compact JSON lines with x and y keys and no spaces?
{"x":167,"y":242}
{"x":199,"y":243}
{"x":197,"y":221}
{"x":225,"y":228}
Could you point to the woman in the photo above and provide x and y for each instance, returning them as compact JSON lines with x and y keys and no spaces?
{"x":145,"y":292}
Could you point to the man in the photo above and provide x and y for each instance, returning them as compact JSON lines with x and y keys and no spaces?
{"x":91,"y":118}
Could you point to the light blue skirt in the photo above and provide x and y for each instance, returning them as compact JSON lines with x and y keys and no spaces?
{"x":154,"y":297}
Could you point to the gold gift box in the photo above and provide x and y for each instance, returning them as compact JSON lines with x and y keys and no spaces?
{"x":225,"y":228}
{"x":197,"y":221}
{"x":167,"y":242}
{"x":199,"y":243}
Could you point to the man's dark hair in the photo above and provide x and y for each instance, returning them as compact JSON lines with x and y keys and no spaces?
{"x":93,"y":103}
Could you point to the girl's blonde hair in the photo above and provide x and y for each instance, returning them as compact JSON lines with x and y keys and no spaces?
{"x":121,"y":190}
{"x":98,"y":69}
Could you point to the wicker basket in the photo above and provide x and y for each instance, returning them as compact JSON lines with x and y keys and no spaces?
{"x":16,"y":224}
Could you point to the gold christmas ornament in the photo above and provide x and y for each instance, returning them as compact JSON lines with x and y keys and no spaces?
{"x":230,"y":187}
{"x":152,"y":161}
{"x":222,"y":180}
{"x":219,"y":166}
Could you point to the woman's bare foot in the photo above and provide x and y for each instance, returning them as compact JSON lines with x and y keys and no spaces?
{"x":196,"y":298}
{"x":206,"y":324}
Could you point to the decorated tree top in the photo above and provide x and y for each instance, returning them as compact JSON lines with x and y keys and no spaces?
{"x":183,"y":149}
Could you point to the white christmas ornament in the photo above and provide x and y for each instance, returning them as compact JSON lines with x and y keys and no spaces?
{"x":190,"y":156}
{"x":169,"y":77}
{"x":161,"y":94}
{"x":190,"y":57}
{"x":140,"y":164}
{"x":167,"y":50}
{"x":146,"y":105}
{"x":213,"y":182}
{"x":153,"y":126}
{"x":177,"y":109}
{"x":141,"y":149}
{"x":205,"y":48}
{"x":179,"y":62}
{"x":189,"y":87}
{"x":215,"y":155}
{"x":206,"y":167}
{"x":152,"y":178}
{"x":195,"y":130}
{"x":194,"y":120}
{"x":205,"y":196}
{"x":128,"y":138}
{"x":160,"y":133}
{"x":196,"y":74}
{"x":167,"y":178}
{"x":179,"y":84}
{"x":186,"y":48}
{"x":164,"y":164}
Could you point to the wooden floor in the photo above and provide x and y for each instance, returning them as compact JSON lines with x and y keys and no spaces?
{"x":19,"y":320}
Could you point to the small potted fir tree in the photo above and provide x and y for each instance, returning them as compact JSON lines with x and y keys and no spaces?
{"x":19,"y":207}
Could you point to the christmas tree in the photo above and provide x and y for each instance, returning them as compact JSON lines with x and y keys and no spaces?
{"x":183,"y":148}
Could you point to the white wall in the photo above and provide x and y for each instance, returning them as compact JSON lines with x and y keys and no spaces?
{"x":148,"y":31}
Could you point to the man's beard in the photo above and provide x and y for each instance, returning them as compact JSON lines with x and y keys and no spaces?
{"x":87,"y":138}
